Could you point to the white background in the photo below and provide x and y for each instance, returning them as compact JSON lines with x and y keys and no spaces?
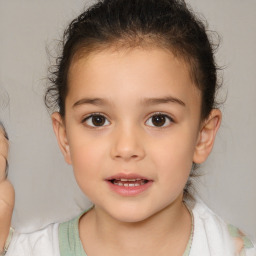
{"x":44,"y":184}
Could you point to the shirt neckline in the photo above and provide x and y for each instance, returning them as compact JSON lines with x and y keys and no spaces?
{"x":70,"y":243}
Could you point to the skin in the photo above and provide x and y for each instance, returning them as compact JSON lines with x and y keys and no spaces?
{"x":134,"y":85}
{"x":6,"y":192}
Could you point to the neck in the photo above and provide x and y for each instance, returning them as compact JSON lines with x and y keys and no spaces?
{"x":168,"y":230}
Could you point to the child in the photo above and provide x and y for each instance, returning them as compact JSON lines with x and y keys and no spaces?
{"x":136,"y":111}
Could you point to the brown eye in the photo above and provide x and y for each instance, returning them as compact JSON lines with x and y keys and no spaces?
{"x":96,"y":120}
{"x":159,"y":120}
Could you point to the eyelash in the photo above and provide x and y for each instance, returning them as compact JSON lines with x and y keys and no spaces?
{"x":89,"y":118}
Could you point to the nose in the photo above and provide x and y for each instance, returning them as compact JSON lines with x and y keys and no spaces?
{"x":127,"y":144}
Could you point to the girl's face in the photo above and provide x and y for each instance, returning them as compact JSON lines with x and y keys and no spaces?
{"x":132,"y":130}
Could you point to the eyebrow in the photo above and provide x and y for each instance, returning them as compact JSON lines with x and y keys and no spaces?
{"x":168,"y":99}
{"x":92,"y":101}
{"x":147,"y":101}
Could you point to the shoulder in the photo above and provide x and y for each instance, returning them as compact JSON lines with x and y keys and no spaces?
{"x":243,"y":245}
{"x":38,"y":243}
{"x":54,"y":240}
{"x":69,"y":239}
{"x":213,"y":236}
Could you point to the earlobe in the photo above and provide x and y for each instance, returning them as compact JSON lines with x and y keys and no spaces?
{"x":60,"y":133}
{"x":207,"y":136}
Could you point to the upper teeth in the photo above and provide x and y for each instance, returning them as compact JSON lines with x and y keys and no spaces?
{"x":129,"y":182}
{"x":129,"y":179}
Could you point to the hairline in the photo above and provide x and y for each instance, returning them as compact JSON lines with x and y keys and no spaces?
{"x":146,"y":42}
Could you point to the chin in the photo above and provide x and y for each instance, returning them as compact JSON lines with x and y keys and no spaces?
{"x":127,"y":218}
{"x":131,"y":215}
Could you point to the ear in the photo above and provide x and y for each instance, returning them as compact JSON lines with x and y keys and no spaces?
{"x":61,"y":135}
{"x":207,"y":136}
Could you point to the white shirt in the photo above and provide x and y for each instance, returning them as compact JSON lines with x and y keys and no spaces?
{"x":211,"y":238}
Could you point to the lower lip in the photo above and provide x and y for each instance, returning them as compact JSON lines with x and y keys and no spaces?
{"x":129,"y":191}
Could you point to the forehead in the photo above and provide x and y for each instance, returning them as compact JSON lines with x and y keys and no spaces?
{"x":131,"y":72}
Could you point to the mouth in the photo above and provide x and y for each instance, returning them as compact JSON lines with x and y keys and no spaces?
{"x":129,"y":182}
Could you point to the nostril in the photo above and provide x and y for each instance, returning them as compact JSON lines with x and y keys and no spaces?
{"x":127,"y":156}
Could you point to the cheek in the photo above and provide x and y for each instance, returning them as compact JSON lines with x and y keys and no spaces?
{"x":86,"y":156}
{"x":87,"y":171}
{"x":173,"y":156}
{"x":175,"y":168}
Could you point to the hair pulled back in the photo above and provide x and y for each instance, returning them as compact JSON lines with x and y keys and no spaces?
{"x":132,"y":23}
